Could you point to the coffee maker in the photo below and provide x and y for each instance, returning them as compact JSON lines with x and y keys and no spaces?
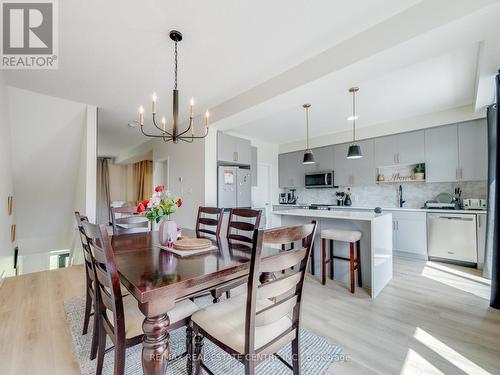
{"x":292,"y":198}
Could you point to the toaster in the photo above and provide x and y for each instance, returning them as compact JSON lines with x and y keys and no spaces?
{"x":474,"y":204}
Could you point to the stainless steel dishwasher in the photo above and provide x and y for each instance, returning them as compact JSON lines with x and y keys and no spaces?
{"x":452,"y":237}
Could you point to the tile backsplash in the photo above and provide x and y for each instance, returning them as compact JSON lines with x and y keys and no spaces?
{"x":386,"y":195}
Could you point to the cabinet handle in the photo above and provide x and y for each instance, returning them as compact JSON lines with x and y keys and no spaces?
{"x":398,"y":157}
{"x":235,"y":156}
{"x":394,"y":158}
{"x":456,"y":173}
{"x":461,"y":173}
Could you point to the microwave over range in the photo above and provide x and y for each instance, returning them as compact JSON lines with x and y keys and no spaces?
{"x":319,"y":180}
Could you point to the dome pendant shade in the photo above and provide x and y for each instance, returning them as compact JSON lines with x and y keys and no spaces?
{"x":308,"y":157}
{"x":354,"y":152}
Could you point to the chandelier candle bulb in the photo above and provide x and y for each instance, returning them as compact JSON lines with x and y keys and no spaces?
{"x":153,"y":105}
{"x":164,"y":123}
{"x":141,"y":115}
{"x":191,"y":104}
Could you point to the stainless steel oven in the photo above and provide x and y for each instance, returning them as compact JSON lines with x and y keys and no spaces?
{"x":319,"y":180}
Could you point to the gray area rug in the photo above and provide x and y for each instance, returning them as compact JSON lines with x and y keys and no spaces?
{"x":317,"y":353}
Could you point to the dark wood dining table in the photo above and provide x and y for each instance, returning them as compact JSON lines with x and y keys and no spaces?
{"x":158,"y":278}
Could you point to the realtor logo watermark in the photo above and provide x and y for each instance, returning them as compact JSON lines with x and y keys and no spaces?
{"x":29,"y":34}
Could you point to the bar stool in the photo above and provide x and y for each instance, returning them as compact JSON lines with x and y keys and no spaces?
{"x":351,"y":236}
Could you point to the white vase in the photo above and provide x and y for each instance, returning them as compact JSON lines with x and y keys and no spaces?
{"x":419,"y":176}
{"x":167,"y":230}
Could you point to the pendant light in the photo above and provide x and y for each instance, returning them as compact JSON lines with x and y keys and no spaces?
{"x":308,"y":154}
{"x":354,"y":151}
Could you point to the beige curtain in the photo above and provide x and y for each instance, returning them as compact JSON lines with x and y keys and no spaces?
{"x":143,"y":172}
{"x":103,"y":197}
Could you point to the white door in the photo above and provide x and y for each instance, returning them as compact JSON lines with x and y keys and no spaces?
{"x":160,"y":173}
{"x":262,"y":192}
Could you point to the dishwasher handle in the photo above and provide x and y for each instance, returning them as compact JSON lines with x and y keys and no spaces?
{"x":462,"y":218}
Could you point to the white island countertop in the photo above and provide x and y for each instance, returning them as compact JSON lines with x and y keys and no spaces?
{"x":345,"y":214}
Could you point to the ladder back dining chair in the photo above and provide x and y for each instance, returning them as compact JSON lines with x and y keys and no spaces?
{"x":260,"y":323}
{"x":119,"y":317}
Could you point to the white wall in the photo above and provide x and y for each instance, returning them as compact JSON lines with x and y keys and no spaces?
{"x":6,"y":183}
{"x":53,"y":154}
{"x":186,"y":175}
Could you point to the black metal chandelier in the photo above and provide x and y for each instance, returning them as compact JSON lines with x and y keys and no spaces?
{"x":187,"y":135}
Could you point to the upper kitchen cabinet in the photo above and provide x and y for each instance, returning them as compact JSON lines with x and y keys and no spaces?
{"x":253,"y":166}
{"x":291,"y":170}
{"x":233,"y":150}
{"x":441,"y":154}
{"x":354,"y":172}
{"x":405,"y":149}
{"x":473,"y":150}
{"x":324,"y":160}
{"x":457,"y":152}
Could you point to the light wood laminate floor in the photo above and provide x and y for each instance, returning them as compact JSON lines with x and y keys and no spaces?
{"x":431,"y":318}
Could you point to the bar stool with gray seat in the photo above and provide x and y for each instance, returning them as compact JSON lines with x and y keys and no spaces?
{"x":341,"y":235}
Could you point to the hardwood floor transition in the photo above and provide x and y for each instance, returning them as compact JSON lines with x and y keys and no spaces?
{"x":432,"y":318}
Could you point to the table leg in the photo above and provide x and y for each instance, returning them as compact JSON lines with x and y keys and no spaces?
{"x":155,"y":346}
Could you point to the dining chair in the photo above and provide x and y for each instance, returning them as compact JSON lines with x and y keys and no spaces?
{"x":126,"y":220}
{"x":119,"y":317}
{"x":253,"y":326}
{"x":90,"y":295}
{"x":206,"y":219}
{"x":236,"y":226}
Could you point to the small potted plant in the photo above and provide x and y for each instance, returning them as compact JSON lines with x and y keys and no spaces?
{"x":419,"y":172}
{"x":347,"y":197}
{"x":158,"y":209}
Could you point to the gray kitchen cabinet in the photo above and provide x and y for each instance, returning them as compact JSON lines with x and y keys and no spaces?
{"x":291,"y":170}
{"x":404,"y":148}
{"x":473,"y":151}
{"x":481,"y":239}
{"x":324,"y":160}
{"x":233,"y":150}
{"x":253,"y":166}
{"x":411,"y":148}
{"x":441,"y":154}
{"x":410,"y":233}
{"x":385,"y":150}
{"x":354,"y":172}
{"x":341,"y":172}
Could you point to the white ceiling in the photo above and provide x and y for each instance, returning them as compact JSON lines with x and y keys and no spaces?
{"x":114,"y":54}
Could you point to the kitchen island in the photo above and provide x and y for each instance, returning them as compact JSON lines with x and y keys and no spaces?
{"x":376,"y":243}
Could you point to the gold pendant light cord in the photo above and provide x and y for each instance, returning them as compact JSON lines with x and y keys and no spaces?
{"x":353,"y":117}
{"x":307,"y":128}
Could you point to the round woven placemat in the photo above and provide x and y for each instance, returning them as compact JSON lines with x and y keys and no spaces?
{"x":192,"y":244}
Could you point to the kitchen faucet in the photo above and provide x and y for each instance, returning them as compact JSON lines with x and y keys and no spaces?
{"x":401,"y":201}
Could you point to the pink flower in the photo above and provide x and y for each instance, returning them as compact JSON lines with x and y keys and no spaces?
{"x":141,"y":208}
{"x":179,"y":202}
{"x":159,"y":188}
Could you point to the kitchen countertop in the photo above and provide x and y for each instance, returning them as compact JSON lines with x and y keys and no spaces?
{"x":388,"y":209}
{"x":345,"y":214}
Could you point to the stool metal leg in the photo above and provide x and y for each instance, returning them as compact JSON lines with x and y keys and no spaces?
{"x":323,"y":261}
{"x":331,"y":259}
{"x":358,"y":254}
{"x":351,"y":260}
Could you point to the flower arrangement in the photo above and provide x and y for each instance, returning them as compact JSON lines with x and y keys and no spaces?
{"x":160,"y":205}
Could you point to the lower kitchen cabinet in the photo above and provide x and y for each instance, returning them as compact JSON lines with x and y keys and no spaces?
{"x":410,"y":233}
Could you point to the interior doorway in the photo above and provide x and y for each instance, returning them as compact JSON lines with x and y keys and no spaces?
{"x":161,"y":172}
{"x":262,"y":192}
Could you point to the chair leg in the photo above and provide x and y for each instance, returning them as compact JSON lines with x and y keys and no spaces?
{"x":198,"y":350}
{"x":119,"y":358}
{"x":351,"y":258}
{"x":101,"y":348}
{"x":323,"y":261}
{"x":95,"y":336}
{"x":249,"y":366}
{"x":215,"y":297}
{"x":296,"y":356}
{"x":88,"y":310}
{"x":228,"y":294}
{"x":358,"y":251}
{"x":331,"y":259}
{"x":189,"y":349}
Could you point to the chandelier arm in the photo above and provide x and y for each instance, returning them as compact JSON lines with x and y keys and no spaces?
{"x":187,"y":140}
{"x":197,"y":136}
{"x":151,"y":135}
{"x":188,"y":128}
{"x":160,"y":129}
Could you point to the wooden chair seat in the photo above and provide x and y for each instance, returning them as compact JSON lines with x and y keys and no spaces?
{"x":134,"y":317}
{"x":225,"y":322}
